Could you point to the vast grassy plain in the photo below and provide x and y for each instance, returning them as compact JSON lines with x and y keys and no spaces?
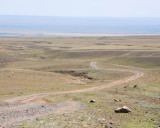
{"x":37,"y":65}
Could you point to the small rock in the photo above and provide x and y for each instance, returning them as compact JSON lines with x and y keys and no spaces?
{"x":90,"y":118}
{"x":117,"y":100}
{"x":41,"y":122}
{"x":92,"y":101}
{"x":108,"y":126}
{"x":135,"y":86}
{"x":124,"y":109}
{"x":111,"y":122}
{"x":102,"y":119}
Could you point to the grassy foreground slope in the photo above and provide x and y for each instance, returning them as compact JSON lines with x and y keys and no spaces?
{"x":30,"y":65}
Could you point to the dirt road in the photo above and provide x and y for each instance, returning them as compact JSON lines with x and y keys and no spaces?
{"x":39,"y":97}
{"x":31,"y":106}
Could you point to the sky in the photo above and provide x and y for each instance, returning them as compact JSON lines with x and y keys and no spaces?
{"x":82,"y":8}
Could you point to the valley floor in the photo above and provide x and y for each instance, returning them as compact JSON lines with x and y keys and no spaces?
{"x":52,"y":80}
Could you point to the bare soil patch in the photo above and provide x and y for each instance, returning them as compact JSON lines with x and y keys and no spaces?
{"x":13,"y":115}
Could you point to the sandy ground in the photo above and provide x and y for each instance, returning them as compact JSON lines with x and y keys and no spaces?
{"x":15,"y":111}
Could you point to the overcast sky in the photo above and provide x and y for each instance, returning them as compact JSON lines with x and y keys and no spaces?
{"x":83,"y":8}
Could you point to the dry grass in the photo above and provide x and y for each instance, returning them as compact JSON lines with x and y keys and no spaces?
{"x":30,"y":65}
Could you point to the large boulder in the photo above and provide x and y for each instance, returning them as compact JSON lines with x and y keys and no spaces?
{"x":124,"y":109}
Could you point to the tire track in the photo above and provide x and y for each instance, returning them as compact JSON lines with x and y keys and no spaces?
{"x":39,"y":97}
{"x":15,"y":111}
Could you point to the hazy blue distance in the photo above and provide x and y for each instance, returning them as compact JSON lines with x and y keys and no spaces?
{"x":41,"y":24}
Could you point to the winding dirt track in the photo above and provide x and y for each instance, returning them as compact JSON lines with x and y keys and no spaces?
{"x":39,"y":97}
{"x":17,"y":110}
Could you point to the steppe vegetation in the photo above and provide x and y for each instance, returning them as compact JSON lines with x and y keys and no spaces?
{"x":49,"y":65}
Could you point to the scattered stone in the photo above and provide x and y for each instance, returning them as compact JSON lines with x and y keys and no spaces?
{"x":101,"y":124}
{"x":90,"y":118}
{"x":108,"y":126}
{"x":92,"y":101}
{"x":85,"y":126}
{"x":135,"y":86}
{"x":37,"y":119}
{"x":41,"y":122}
{"x":102,"y":119}
{"x":11,"y":93}
{"x":117,"y":100}
{"x":12,"y":73}
{"x":81,"y":120}
{"x":111,"y":122}
{"x":124,"y":109}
